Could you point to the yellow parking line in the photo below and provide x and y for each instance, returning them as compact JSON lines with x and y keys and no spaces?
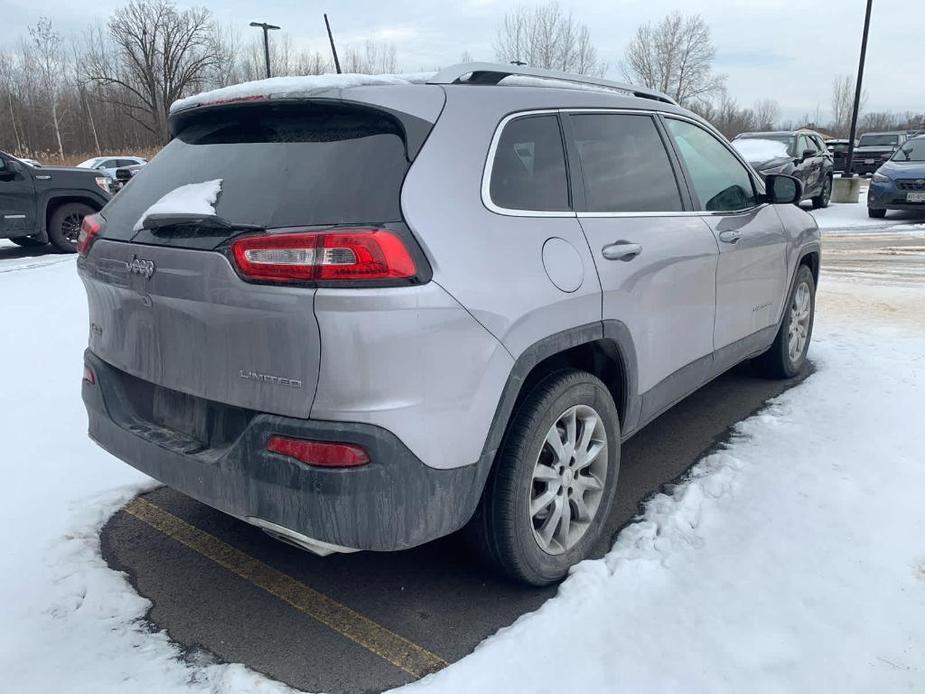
{"x":399,"y":651}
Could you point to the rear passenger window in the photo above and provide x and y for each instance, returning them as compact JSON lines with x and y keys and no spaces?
{"x":528,"y":171}
{"x":721,"y":182}
{"x":624,"y":164}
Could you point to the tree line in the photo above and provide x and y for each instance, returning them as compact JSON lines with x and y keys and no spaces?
{"x":111,"y":89}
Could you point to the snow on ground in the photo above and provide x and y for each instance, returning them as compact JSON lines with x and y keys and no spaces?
{"x":791,"y":559}
{"x":852,"y":217}
{"x":69,"y":622}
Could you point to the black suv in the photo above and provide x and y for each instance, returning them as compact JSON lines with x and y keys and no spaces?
{"x":799,"y":153}
{"x":47,"y":205}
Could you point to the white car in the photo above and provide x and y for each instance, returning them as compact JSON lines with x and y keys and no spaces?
{"x":108,"y":165}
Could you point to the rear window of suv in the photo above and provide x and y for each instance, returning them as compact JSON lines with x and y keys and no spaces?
{"x":294,"y":165}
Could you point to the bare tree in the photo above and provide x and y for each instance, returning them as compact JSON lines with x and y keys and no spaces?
{"x":546,"y":37}
{"x":374,"y":58}
{"x":843,"y":103}
{"x":158,"y":54}
{"x":767,"y":111}
{"x":674,"y":56}
{"x":45,"y":51}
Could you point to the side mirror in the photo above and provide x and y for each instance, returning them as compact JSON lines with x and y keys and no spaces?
{"x":7,"y":174}
{"x":808,"y":153}
{"x":783,"y":190}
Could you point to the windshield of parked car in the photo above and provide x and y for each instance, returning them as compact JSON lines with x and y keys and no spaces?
{"x":89,"y":164}
{"x":913,"y":150}
{"x":878,"y":140}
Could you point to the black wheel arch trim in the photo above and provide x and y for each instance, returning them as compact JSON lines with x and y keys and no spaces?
{"x":62,"y":196}
{"x":557,"y":343}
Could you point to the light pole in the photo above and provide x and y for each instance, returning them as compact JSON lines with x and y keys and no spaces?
{"x":267,"y":28}
{"x":857,"y":91}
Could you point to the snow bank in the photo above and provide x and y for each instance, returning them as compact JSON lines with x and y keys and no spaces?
{"x":758,"y":150}
{"x":70,"y":623}
{"x":789,"y":561}
{"x":193,"y":198}
{"x":296,"y":86}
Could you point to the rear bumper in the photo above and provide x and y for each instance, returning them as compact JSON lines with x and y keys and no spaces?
{"x":393,"y":503}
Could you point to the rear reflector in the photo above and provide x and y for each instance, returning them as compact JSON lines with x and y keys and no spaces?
{"x":89,"y":228}
{"x":344,"y":255}
{"x":320,"y":453}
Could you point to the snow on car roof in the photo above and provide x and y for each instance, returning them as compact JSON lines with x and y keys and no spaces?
{"x":294,"y":87}
{"x":757,"y":149}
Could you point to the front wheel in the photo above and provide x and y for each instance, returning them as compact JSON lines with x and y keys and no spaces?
{"x":552,"y":486}
{"x":822,"y":200}
{"x":64,"y":226}
{"x":787,"y":354}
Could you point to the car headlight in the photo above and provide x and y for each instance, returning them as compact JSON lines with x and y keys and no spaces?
{"x":103,"y":182}
{"x":880,"y":178}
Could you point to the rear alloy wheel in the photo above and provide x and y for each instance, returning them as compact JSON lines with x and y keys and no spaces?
{"x":822,"y":200}
{"x":875,"y":213}
{"x":27,"y":242}
{"x":552,"y":485}
{"x":64,"y":226}
{"x":787,"y":355}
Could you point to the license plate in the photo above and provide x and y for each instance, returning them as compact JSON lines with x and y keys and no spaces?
{"x":869,"y":161}
{"x":915,"y":197}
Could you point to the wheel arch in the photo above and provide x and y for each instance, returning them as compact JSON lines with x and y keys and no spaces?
{"x":53,"y":202}
{"x":604,"y":349}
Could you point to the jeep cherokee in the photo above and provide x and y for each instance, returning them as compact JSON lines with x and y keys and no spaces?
{"x":364,"y":312}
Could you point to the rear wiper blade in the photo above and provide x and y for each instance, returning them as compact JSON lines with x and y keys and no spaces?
{"x":162,"y":220}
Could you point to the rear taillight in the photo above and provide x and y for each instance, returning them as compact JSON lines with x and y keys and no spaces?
{"x":342,"y":255}
{"x":321,"y":453}
{"x":88,"y":375}
{"x":89,"y":228}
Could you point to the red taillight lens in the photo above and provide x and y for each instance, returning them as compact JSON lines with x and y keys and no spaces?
{"x":321,"y":453}
{"x":89,"y":228}
{"x":345,"y":255}
{"x":88,"y":375}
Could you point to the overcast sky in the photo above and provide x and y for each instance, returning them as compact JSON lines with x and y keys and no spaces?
{"x":787,"y":51}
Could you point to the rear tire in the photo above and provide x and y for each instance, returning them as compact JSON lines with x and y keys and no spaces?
{"x":27,"y":242}
{"x":875,"y":213}
{"x":787,"y":355}
{"x":64,"y":225}
{"x":822,"y":200}
{"x":545,"y":505}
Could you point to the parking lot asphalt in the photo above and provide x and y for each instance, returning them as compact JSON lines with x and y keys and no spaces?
{"x":370,"y":621}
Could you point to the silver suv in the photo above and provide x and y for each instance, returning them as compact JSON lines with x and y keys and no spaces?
{"x":363,"y":313}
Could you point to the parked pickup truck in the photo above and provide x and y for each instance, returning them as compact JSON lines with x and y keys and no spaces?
{"x":48,"y":204}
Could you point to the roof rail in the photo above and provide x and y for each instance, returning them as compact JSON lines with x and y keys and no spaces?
{"x":493,"y":73}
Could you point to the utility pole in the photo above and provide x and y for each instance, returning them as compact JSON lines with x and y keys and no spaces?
{"x":331,"y":39}
{"x":266,"y":40}
{"x":857,"y":91}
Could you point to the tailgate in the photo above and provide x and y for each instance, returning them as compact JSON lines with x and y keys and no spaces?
{"x":189,"y":323}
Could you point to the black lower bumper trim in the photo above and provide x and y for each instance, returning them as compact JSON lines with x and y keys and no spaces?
{"x":393,"y":503}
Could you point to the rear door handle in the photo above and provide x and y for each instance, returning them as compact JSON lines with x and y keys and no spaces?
{"x":621,"y":250}
{"x":730,"y":236}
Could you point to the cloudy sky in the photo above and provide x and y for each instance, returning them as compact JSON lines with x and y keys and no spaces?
{"x":787,"y":51}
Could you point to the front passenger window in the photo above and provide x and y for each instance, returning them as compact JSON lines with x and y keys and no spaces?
{"x":720,"y":181}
